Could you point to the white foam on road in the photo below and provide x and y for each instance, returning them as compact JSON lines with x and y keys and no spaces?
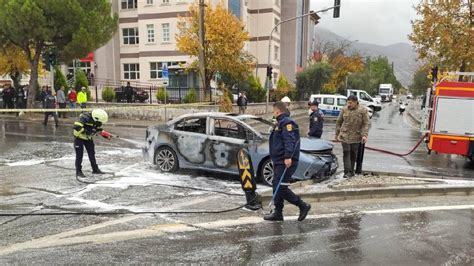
{"x":27,"y":162}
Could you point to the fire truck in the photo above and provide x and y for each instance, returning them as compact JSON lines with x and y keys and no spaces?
{"x":448,"y":120}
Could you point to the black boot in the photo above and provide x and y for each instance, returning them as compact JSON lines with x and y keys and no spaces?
{"x":79,"y":173}
{"x":97,"y":171}
{"x":304,"y":209}
{"x":274,"y":216}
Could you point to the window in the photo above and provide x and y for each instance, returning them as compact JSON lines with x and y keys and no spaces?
{"x":85,"y":66}
{"x":150,"y":28}
{"x":156,"y":70}
{"x":276,"y":23}
{"x":165,"y":2}
{"x":130,"y":36}
{"x":229,"y":129}
{"x":131,"y":71}
{"x":276,"y":52}
{"x":365,"y":97}
{"x":196,"y":125}
{"x":328,"y":101}
{"x":149,"y":2}
{"x":165,"y":27}
{"x":234,"y":7}
{"x":129,"y":4}
{"x":341,"y":102}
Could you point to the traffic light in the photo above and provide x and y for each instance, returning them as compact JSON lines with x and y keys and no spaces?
{"x":434,"y":74}
{"x":269,"y":71}
{"x":49,"y":59}
{"x":337,"y":7}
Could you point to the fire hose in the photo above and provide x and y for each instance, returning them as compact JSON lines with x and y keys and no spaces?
{"x":394,"y":153}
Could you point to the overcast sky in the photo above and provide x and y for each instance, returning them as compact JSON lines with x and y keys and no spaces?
{"x":382,"y":22}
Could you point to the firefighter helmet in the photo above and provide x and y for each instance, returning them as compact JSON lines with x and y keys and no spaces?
{"x":100,"y":115}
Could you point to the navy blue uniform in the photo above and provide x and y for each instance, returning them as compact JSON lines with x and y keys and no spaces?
{"x":285,"y":144}
{"x":316,"y":120}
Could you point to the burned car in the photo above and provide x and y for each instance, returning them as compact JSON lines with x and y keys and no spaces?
{"x":211,"y":141}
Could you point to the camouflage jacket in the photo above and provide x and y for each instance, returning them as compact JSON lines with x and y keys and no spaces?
{"x":352,"y":125}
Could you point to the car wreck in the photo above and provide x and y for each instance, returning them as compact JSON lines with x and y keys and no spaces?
{"x":211,"y":141}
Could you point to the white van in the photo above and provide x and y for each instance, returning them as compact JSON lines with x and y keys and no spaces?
{"x":331,"y":104}
{"x":366,"y":99}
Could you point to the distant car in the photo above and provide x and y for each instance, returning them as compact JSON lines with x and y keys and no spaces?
{"x":139,"y":95}
{"x":211,"y":141}
{"x":410,"y":96}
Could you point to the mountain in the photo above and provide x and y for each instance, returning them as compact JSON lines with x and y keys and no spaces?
{"x":402,"y":55}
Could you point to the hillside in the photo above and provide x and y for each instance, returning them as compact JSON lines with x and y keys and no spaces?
{"x":401,"y":54}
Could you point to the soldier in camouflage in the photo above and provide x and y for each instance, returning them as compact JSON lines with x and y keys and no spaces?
{"x":352,"y":128}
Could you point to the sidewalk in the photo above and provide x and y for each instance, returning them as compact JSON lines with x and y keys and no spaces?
{"x":380,"y":185}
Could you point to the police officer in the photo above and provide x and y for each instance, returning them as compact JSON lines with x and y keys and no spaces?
{"x":88,"y":125}
{"x":316,"y":120}
{"x":285,"y":153}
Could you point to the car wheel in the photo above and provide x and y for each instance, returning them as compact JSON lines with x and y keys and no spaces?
{"x":166,"y":159}
{"x":266,"y":172}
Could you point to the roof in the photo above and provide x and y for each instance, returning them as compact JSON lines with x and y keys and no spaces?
{"x":213,"y":114}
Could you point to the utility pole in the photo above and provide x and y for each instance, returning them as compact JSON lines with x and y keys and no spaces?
{"x":202,"y":57}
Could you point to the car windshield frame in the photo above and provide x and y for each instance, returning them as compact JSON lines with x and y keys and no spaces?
{"x":261,"y":121}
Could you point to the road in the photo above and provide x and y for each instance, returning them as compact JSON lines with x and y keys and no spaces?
{"x":37,"y":176}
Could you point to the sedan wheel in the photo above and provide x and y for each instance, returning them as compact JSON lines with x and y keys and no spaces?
{"x":266,"y":172}
{"x":166,"y":159}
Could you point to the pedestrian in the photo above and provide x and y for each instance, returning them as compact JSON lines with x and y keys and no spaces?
{"x":8,"y":97}
{"x":43,"y":94}
{"x":352,"y":128}
{"x":128,"y":93}
{"x":285,"y":154}
{"x":72,"y":98}
{"x":50,"y":103}
{"x":21,"y":98}
{"x":242,"y":103}
{"x":316,"y":120}
{"x":88,"y":125}
{"x":82,"y":98}
{"x":61,"y":101}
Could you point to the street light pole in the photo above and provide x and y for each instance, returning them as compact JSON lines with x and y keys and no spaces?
{"x":268,"y":79}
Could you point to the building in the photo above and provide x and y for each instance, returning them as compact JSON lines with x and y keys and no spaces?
{"x":145,"y":41}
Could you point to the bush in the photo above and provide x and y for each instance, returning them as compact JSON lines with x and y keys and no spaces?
{"x":108,"y":94}
{"x":191,"y":97}
{"x":225,"y":103}
{"x":160,"y":95}
{"x":256,"y":92}
{"x":60,"y":80}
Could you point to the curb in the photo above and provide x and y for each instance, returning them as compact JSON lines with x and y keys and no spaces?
{"x":383,"y":193}
{"x":416,"y":120}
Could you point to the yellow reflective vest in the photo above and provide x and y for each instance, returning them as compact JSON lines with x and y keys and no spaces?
{"x":81,"y":97}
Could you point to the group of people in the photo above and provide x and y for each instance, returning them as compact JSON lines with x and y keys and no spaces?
{"x":13,"y":98}
{"x":352,"y":128}
{"x":58,"y":99}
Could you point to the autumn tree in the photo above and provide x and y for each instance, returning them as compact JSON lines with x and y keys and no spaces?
{"x":13,"y":63}
{"x":284,"y":88}
{"x":421,"y":81}
{"x":444,"y":34}
{"x":72,"y":28}
{"x":224,"y":42}
{"x":343,"y":66}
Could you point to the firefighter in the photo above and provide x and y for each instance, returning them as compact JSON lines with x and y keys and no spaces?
{"x":316,"y":120}
{"x":285,"y":153}
{"x":88,"y":125}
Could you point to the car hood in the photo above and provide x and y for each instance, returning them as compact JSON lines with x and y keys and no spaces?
{"x":314,"y":144}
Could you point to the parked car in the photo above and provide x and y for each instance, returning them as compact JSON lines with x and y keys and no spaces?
{"x":139,"y":95}
{"x":211,"y":141}
{"x":331,"y":104}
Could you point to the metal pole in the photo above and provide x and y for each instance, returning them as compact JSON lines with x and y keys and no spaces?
{"x":166,"y":93}
{"x":202,"y":58}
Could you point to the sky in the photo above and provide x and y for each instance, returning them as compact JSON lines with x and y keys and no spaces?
{"x":381,"y":22}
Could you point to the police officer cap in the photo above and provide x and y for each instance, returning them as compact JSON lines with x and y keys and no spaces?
{"x":314,"y":102}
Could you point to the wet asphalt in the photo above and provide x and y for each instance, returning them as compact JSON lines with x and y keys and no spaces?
{"x":37,"y":175}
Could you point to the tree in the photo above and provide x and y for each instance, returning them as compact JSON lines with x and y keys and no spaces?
{"x":256,"y":93}
{"x":224,"y":42}
{"x":421,"y":81}
{"x":444,"y":34}
{"x":284,"y":88}
{"x":13,"y":63}
{"x":312,"y":79}
{"x":71,"y":28}
{"x":191,"y":96}
{"x":60,"y":80}
{"x":342,"y":66}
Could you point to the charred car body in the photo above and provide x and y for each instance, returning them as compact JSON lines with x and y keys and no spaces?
{"x":210,"y":142}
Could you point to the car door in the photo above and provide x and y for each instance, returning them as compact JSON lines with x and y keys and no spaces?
{"x":226,"y":137}
{"x":189,"y":136}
